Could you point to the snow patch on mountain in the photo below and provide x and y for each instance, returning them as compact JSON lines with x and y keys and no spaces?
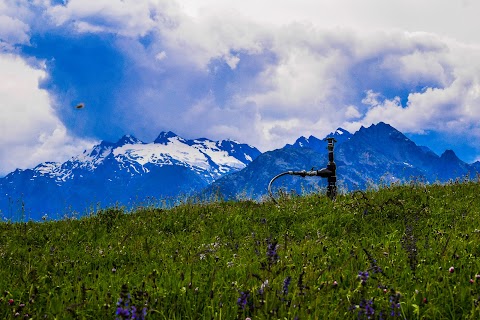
{"x":210,"y":159}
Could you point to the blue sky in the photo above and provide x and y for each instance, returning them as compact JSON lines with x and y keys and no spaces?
{"x":262,"y":72}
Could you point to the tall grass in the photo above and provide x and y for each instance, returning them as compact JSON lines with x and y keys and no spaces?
{"x":406,"y":252}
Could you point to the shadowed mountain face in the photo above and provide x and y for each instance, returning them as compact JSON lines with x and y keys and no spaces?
{"x":374,"y":155}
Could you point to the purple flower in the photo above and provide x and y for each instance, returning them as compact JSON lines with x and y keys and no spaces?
{"x":369,"y":311}
{"x":395,"y":305}
{"x":264,"y":285}
{"x":139,"y":315}
{"x":366,"y":308}
{"x":243,"y":299}
{"x":272,"y":254}
{"x":122,"y":313}
{"x":363,"y":276}
{"x":286,"y":284}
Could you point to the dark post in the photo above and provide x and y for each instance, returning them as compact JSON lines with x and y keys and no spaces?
{"x":332,"y":178}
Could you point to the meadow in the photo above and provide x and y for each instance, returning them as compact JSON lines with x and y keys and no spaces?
{"x":407,"y":251}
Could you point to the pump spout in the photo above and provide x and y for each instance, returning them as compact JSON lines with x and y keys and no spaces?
{"x":325,"y":173}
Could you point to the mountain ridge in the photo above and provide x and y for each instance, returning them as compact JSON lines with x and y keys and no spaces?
{"x":126,"y":172}
{"x":377,"y":154}
{"x":131,"y":172}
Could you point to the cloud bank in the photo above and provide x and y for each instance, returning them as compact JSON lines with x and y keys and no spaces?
{"x":259,"y":73}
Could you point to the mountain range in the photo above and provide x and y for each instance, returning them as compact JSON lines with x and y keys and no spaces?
{"x":376,"y":155}
{"x":126,"y":173}
{"x":131,"y":173}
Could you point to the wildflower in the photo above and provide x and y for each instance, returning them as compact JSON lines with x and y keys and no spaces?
{"x":376,"y":269}
{"x":202,"y":256}
{"x":363,"y":276}
{"x":395,"y":304}
{"x":272,"y":254}
{"x":264,"y":285}
{"x":243,"y":299}
{"x":286,"y":284}
{"x":122,"y":313}
{"x":139,"y":315}
{"x":472,"y":281}
{"x":335,"y":283}
{"x":369,"y":311}
{"x":10,"y":302}
{"x":365,"y":308}
{"x":373,"y":263}
{"x":114,"y":270}
{"x":451,"y":269}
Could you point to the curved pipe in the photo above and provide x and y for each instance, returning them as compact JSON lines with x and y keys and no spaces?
{"x":302,"y":173}
{"x":270,"y":184}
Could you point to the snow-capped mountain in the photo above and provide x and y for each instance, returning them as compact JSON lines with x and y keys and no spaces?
{"x":130,"y":172}
{"x":209,"y":159}
{"x":123,"y":173}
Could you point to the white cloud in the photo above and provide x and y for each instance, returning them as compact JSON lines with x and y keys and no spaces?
{"x":128,"y":17}
{"x":13,"y":31}
{"x":215,"y":34}
{"x":161,"y":55}
{"x":334,"y":63}
{"x":30,"y":132}
{"x":352,"y":113}
{"x":309,"y":86}
{"x":455,"y":19}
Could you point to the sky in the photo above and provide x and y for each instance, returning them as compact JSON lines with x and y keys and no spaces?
{"x":262,"y":72}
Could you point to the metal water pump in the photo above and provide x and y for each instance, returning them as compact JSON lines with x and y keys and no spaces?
{"x":329,"y":172}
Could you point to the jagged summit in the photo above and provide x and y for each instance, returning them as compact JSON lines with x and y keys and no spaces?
{"x":164,"y":137}
{"x":341,"y":135}
{"x":127,"y":139}
{"x":341,"y":131}
{"x":379,"y":128}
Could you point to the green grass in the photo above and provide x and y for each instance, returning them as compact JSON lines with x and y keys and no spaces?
{"x":232,"y":260}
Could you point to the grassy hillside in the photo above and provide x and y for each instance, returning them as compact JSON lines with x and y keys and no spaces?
{"x":406,"y":252}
